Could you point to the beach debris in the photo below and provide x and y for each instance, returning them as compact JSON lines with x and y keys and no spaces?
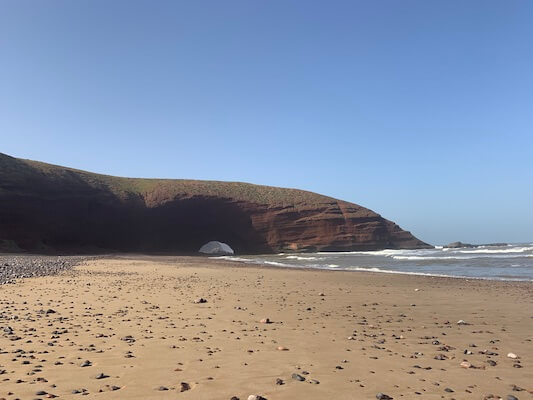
{"x":283,"y":348}
{"x":256,"y":397}
{"x":465,"y":364}
{"x":512,"y":355}
{"x":200,"y":300}
{"x":265,"y":321}
{"x":462,"y":322}
{"x":383,"y":396}
{"x":86,"y":363}
{"x":101,"y":375}
{"x":416,"y":290}
{"x":511,"y":397}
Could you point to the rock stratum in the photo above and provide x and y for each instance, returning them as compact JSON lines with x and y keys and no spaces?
{"x":46,"y":207}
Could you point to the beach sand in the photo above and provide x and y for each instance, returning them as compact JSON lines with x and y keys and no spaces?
{"x":134,"y":323}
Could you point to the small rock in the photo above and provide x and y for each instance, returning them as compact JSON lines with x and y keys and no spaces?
{"x":283,"y":348}
{"x":266,"y":321}
{"x":383,"y":396}
{"x":201,"y":300}
{"x":298,"y":377}
{"x":512,"y":355}
{"x":184,"y":386}
{"x":256,"y":397}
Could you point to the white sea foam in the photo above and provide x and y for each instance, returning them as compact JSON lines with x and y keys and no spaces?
{"x":475,"y":263}
{"x":300,"y":258}
{"x":471,"y":257}
{"x":388,"y":271}
{"x":497,"y":251}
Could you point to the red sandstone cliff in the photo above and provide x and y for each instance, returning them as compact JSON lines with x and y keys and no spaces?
{"x":50,"y":207}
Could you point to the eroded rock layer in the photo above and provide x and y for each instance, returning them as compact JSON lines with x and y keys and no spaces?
{"x":50,"y":208}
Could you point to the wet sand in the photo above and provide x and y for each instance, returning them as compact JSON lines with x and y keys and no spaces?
{"x":133,"y":328}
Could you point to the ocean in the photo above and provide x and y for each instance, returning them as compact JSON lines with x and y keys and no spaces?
{"x":513,"y":262}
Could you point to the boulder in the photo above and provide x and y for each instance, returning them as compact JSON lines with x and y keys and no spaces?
{"x":216,"y":248}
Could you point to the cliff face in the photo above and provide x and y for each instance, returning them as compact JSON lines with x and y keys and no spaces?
{"x":45,"y":207}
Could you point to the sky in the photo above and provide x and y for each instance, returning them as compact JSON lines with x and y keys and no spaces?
{"x":419,"y":110}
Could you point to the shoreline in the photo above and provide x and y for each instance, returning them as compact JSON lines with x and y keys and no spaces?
{"x":367,"y":270}
{"x":135,"y":325}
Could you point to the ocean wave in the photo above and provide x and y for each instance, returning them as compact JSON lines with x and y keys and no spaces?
{"x":300,"y":258}
{"x":389,"y":271}
{"x":497,"y":251}
{"x":386,"y":252}
{"x":325,"y":266}
{"x":436,"y":258}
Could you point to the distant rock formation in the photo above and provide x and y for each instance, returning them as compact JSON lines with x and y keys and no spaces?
{"x":458,"y":245}
{"x":45,"y":207}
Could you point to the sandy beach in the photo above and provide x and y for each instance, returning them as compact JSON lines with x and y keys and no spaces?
{"x":135,"y":327}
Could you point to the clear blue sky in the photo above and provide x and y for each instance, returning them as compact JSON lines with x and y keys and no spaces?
{"x":420,"y":110}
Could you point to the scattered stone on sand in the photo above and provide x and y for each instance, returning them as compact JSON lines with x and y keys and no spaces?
{"x":256,"y":397}
{"x":383,"y":396}
{"x":200,"y":300}
{"x":462,"y":322}
{"x":27,"y":266}
{"x":91,"y":315}
{"x":298,"y":377}
{"x":512,"y":355}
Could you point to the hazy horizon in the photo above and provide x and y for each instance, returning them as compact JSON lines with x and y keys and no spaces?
{"x":420,"y":111}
